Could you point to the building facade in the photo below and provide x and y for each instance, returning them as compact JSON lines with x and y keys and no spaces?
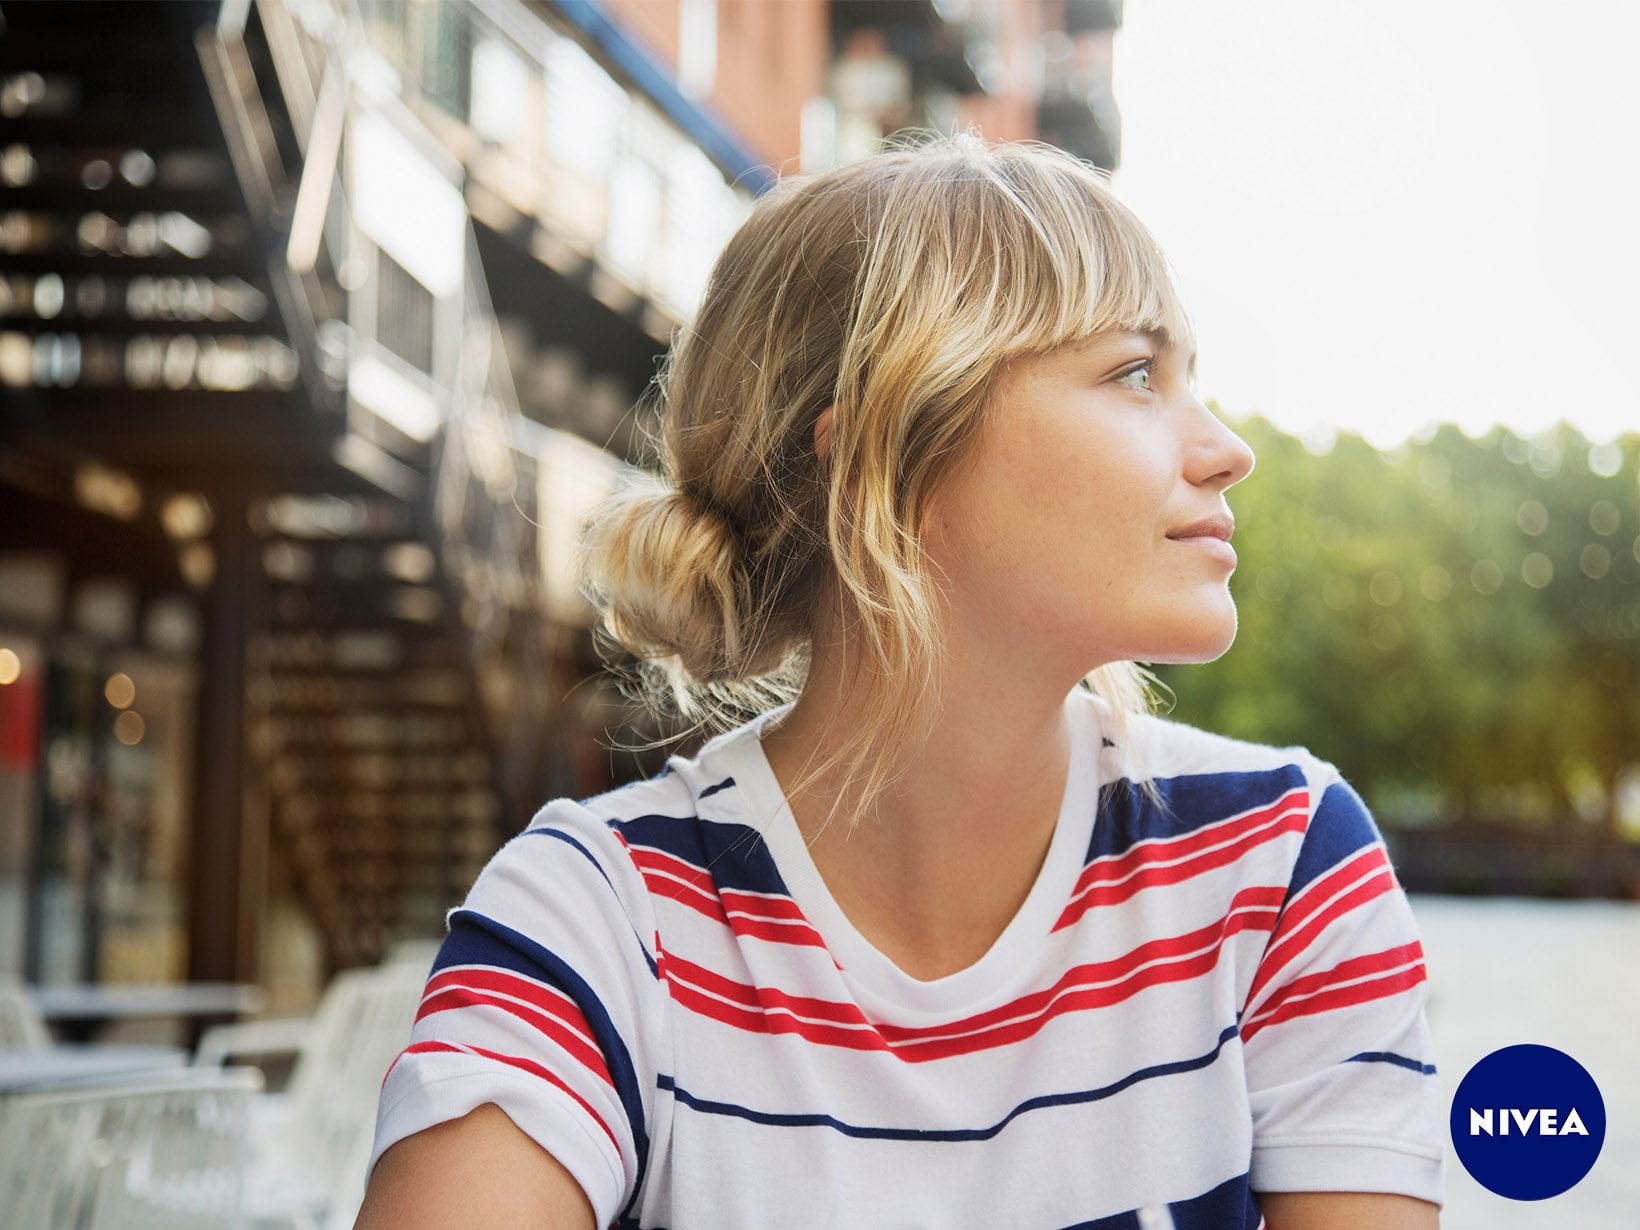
{"x":321,"y":324}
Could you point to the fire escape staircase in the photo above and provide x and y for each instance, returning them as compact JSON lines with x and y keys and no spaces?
{"x":182,"y":291}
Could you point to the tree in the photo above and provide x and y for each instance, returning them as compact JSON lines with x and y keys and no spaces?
{"x":1455,"y":623}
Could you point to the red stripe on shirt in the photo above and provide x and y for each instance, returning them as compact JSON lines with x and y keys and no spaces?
{"x":752,"y":915}
{"x":517,"y":1061}
{"x":1308,"y":915}
{"x":759,"y":998}
{"x":706,"y":903}
{"x":765,"y":1010}
{"x":1354,"y":967}
{"x":650,"y":859}
{"x":455,"y":998}
{"x":1402,"y":979}
{"x":1114,"y":878}
{"x":762,"y":905}
{"x":773,"y":1020}
{"x":548,"y":999}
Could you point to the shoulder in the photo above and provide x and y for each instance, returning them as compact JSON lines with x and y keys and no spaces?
{"x":597,"y":824}
{"x":573,"y":857}
{"x":1202,"y":774}
{"x":1170,"y":748}
{"x":1329,"y":820}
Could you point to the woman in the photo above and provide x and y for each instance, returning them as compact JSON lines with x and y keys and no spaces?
{"x":935,"y":481}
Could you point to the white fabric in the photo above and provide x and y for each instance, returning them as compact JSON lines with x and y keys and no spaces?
{"x":1192,"y":1005}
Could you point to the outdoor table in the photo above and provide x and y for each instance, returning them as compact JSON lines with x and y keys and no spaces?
{"x":23,"y":1069}
{"x":79,"y":1010}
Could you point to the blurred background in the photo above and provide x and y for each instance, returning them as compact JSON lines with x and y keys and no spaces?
{"x":323,"y":321}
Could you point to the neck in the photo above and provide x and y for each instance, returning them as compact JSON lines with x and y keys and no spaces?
{"x":945,"y":857}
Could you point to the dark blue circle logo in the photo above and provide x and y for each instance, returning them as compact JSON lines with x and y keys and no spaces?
{"x":1528,"y":1122}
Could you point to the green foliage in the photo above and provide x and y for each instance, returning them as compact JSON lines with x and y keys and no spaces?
{"x":1455,"y":623}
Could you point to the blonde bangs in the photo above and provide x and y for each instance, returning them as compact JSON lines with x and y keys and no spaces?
{"x":1079,"y":262}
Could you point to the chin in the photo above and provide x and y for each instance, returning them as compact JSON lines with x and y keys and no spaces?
{"x":1200,"y":644}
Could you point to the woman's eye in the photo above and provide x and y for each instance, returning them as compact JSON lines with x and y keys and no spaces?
{"x":1140,"y":374}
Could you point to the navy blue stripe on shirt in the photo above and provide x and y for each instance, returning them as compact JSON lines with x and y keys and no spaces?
{"x":648,"y":957}
{"x":1416,"y":1065}
{"x":1191,"y":802}
{"x":735,"y":856}
{"x":1340,"y":826}
{"x":678,"y":836}
{"x":711,"y":790}
{"x":772,"y":1119}
{"x":477,"y":939}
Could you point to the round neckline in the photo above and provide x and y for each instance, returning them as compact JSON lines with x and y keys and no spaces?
{"x":763,"y":805}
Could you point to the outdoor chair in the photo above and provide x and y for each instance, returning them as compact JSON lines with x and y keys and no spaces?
{"x":20,"y":1024}
{"x":143,"y":1154}
{"x":310,"y":1142}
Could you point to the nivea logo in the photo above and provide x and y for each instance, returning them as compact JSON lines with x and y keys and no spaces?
{"x":1539,"y":1121}
{"x":1528,"y":1122}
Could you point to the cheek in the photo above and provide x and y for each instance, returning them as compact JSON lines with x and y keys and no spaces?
{"x":1044,"y":538}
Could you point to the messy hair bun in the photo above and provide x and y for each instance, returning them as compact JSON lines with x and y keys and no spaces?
{"x":669,"y":572}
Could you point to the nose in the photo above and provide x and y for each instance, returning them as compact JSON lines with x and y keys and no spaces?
{"x":1214,"y":452}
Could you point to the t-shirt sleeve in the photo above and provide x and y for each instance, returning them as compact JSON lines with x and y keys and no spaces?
{"x":545,"y":1000}
{"x":1340,"y":1063}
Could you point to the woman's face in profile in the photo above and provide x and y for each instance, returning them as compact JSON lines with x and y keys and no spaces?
{"x":1054,"y":536}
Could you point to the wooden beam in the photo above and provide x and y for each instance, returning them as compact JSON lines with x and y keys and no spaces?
{"x":228,"y":835}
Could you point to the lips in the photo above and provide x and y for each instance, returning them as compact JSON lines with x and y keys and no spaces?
{"x":1220,"y":527}
{"x":1210,"y":534}
{"x":1213,"y":544}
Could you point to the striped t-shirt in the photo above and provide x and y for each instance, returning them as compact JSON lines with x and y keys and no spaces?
{"x":1191,"y":1006}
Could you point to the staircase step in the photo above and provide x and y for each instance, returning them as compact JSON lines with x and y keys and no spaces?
{"x":428,"y":735}
{"x":111,"y":129}
{"x":371,"y":591}
{"x":358,"y":664}
{"x":370,"y":655}
{"x":452,"y":830}
{"x":178,"y":436}
{"x":407,"y":606}
{"x":393,"y":838}
{"x":123,"y":303}
{"x":127,"y":237}
{"x":70,"y":52}
{"x":351,"y":833}
{"x":306,"y":690}
{"x":127,"y":367}
{"x":117,"y":197}
{"x":150,"y":421}
{"x":297,"y":710}
{"x":465,"y":817}
{"x":383,"y":885}
{"x":229,"y":261}
{"x":152,"y":168}
{"x":335,"y":563}
{"x":342,"y":773}
{"x":421,"y":718}
{"x":358,"y":581}
{"x":319,"y":524}
{"x":122,"y":329}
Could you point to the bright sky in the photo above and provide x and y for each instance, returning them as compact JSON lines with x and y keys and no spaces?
{"x":1392,"y":213}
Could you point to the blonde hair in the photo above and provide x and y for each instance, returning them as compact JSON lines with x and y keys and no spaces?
{"x":893,"y":289}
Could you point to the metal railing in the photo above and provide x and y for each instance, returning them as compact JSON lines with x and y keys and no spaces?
{"x":542,"y":124}
{"x":416,"y":358}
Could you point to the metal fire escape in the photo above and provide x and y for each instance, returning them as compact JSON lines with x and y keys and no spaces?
{"x":206,"y":305}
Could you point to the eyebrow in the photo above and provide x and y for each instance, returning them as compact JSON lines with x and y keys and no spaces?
{"x":1159,"y":337}
{"x":1164,"y":340}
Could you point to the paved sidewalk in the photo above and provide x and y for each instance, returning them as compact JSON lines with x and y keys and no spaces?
{"x":1505,"y":970}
